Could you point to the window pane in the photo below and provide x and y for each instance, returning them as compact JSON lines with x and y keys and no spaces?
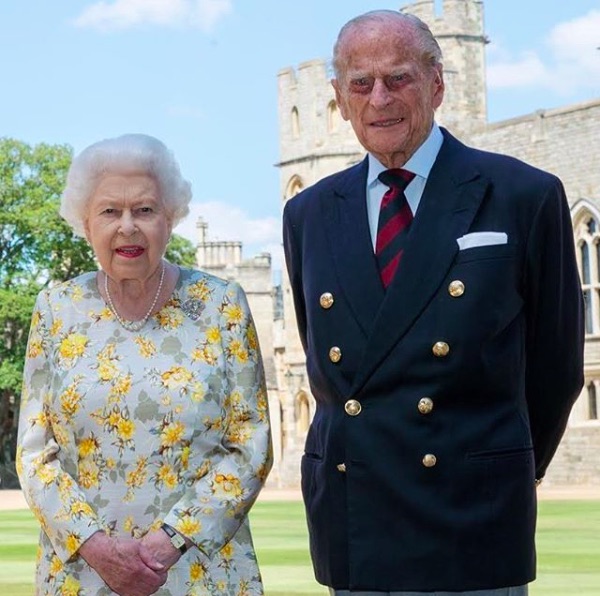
{"x":585,"y":263}
{"x":591,"y":226}
{"x":592,"y":402}
{"x":587,"y":299}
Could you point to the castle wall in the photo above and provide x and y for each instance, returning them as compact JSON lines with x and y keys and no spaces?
{"x":564,"y":141}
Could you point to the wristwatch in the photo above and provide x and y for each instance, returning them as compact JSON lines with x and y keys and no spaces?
{"x":177,"y":540}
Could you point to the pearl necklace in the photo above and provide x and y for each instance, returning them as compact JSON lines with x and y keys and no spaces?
{"x":134,"y":325}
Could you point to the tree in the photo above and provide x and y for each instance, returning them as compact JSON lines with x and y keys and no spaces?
{"x":37,"y":248}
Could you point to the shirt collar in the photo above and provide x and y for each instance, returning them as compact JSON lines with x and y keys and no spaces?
{"x":420,"y":162}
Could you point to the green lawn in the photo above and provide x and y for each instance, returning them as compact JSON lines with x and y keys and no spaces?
{"x":568,"y":550}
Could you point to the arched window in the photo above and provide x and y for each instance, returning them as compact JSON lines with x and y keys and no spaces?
{"x":294,"y":186}
{"x":592,"y":402}
{"x":588,"y":257}
{"x":333,"y":117}
{"x":295,"y":123}
{"x":302,"y":412}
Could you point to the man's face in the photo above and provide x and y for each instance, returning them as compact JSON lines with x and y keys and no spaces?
{"x":386,"y":90}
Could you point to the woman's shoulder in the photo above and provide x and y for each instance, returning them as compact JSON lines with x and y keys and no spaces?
{"x":194,"y":277}
{"x":82,"y":286}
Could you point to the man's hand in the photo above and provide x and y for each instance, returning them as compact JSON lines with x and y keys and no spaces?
{"x":125,"y":565}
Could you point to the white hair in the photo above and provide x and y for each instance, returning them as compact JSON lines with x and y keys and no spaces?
{"x":124,"y":154}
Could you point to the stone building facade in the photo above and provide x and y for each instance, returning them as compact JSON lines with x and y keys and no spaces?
{"x":315,"y":142}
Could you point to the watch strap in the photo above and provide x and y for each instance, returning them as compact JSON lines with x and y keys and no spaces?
{"x":177,"y":540}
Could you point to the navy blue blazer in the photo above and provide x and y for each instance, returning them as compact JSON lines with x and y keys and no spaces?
{"x":392,"y":517}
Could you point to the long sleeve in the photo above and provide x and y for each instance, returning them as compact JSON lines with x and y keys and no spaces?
{"x":52,"y":493}
{"x":555,"y":334}
{"x":211,"y":512}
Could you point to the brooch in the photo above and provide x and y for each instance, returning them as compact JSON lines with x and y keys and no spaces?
{"x":193,"y":308}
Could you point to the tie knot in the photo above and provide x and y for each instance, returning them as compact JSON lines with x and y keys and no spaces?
{"x":396,"y":178}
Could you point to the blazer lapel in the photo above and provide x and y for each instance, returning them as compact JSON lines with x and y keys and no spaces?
{"x":449,"y":203}
{"x":347,"y":229}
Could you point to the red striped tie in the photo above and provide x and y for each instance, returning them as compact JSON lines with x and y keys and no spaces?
{"x":395,"y":218}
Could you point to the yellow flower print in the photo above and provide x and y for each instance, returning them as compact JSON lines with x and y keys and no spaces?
{"x":72,"y":543}
{"x":204,"y":354}
{"x":236,"y":349}
{"x":125,"y":429}
{"x":73,"y":346}
{"x":252,"y":337}
{"x":167,"y":476}
{"x":121,"y":386}
{"x":227,"y":551}
{"x":36,"y":319}
{"x":169,"y":317}
{"x":243,"y":588}
{"x":69,"y":400}
{"x":227,"y":485}
{"x":56,"y":327}
{"x":113,"y":418}
{"x":172,"y":434}
{"x":197,"y":571}
{"x":56,"y":566}
{"x":81,"y":508}
{"x":177,"y":376}
{"x":65,"y":487}
{"x":233,"y":314}
{"x":107,"y":370}
{"x":136,"y":478}
{"x":129,"y":524}
{"x":146,"y":347}
{"x":77,"y":293}
{"x":198,"y":392}
{"x":110,"y":463}
{"x":46,"y":473}
{"x":200,"y":290}
{"x":239,"y":432}
{"x":88,"y":473}
{"x":70,"y":587}
{"x":106,"y":314}
{"x":188,"y":526}
{"x":35,"y":347}
{"x":221,"y":586}
{"x":213,"y":335}
{"x":87,"y":447}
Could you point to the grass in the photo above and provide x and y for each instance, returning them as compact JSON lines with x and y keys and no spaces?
{"x":568,"y":548}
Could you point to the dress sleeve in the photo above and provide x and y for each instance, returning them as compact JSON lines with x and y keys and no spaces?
{"x":52,"y":494}
{"x":212,"y":512}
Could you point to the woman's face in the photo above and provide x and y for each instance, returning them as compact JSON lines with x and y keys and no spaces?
{"x":127,"y":225}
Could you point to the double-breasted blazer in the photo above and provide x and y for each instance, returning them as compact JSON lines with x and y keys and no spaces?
{"x":446,"y":395}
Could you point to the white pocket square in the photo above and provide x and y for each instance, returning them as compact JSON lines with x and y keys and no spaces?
{"x":481,"y":239}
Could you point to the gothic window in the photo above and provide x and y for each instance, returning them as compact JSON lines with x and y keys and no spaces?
{"x":295,"y":123}
{"x":294,"y":187}
{"x":302,"y":413}
{"x":333,"y":117}
{"x":592,"y":402}
{"x":588,"y":257}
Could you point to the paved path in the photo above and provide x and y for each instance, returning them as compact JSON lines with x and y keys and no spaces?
{"x":13,"y":499}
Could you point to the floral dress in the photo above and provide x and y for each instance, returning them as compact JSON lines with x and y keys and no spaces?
{"x":121,"y":431}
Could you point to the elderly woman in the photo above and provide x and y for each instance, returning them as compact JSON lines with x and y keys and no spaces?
{"x":144,"y":434}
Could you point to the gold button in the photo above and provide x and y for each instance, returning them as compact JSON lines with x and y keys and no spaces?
{"x":425,"y":405}
{"x":335,"y":354}
{"x":341,"y":467}
{"x":440,"y":349}
{"x":352,"y":407}
{"x":456,"y":288}
{"x":429,"y":460}
{"x":326,"y":300}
